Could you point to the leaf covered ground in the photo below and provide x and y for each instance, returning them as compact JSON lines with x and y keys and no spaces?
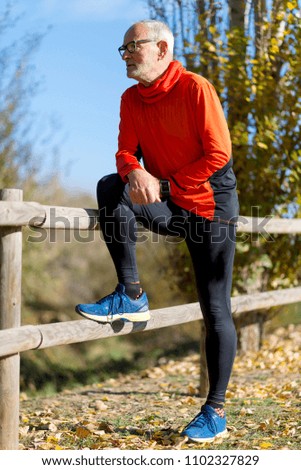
{"x":147,"y":410}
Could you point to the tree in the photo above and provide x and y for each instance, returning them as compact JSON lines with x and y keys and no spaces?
{"x":18,"y":163}
{"x":250,"y":51}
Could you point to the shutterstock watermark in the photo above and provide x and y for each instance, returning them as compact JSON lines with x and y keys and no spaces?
{"x":128,"y":229}
{"x":254,"y":228}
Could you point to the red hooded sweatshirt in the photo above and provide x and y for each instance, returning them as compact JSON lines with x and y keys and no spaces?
{"x":179,"y":125}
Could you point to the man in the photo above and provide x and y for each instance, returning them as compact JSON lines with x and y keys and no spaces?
{"x":186,"y":188}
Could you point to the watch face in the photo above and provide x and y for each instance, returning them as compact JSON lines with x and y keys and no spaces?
{"x":165,"y":188}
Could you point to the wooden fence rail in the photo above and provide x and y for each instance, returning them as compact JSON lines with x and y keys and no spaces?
{"x":14,"y":339}
{"x":33,"y":214}
{"x":24,"y":338}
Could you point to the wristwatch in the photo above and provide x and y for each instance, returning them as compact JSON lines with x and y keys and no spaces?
{"x":164,"y":189}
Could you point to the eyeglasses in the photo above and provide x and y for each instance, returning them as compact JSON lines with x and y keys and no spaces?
{"x":131,"y":46}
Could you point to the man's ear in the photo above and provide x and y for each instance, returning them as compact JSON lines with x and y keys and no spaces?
{"x":163,"y":48}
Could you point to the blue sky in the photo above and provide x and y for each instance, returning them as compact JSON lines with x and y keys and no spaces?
{"x":82,"y":78}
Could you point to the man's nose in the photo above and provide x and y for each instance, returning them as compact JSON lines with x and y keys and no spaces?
{"x":126,"y":55}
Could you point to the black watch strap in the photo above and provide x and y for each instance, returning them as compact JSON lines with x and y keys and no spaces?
{"x":164,"y":189}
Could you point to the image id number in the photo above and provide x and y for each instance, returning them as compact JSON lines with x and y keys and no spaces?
{"x":221,"y":459}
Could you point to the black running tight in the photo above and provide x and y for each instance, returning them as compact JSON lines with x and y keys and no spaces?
{"x":211,"y":246}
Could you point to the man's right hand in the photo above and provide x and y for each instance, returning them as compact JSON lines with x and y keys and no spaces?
{"x":144,"y":187}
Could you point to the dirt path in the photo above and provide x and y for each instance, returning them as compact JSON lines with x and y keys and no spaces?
{"x":148,"y":410}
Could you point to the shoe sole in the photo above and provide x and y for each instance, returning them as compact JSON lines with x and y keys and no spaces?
{"x":209,"y":439}
{"x":126,"y":317}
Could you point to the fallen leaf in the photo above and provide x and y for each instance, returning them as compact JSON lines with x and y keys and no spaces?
{"x":82,"y":432}
{"x":265,"y":445}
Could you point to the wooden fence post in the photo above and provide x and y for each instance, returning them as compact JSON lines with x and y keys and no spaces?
{"x":10,"y":317}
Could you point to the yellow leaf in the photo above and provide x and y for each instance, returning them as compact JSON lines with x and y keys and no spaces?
{"x":210,"y":46}
{"x":291,"y":5}
{"x":262,"y":145}
{"x":52,"y":439}
{"x":265,"y":445}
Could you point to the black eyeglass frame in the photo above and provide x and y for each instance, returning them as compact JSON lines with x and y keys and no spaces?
{"x":125,"y":47}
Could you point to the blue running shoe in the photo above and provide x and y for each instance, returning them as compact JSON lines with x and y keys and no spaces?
{"x":206,"y":426}
{"x":116,"y":306}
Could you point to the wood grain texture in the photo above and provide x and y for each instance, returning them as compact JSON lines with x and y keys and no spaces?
{"x":10,"y":317}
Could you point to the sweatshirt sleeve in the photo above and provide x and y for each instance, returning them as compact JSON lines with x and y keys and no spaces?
{"x":214,"y":136}
{"x":128,"y":143}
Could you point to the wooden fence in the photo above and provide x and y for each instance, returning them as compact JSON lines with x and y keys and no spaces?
{"x":14,"y":338}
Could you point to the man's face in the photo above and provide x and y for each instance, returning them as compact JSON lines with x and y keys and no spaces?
{"x":142,"y":65}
